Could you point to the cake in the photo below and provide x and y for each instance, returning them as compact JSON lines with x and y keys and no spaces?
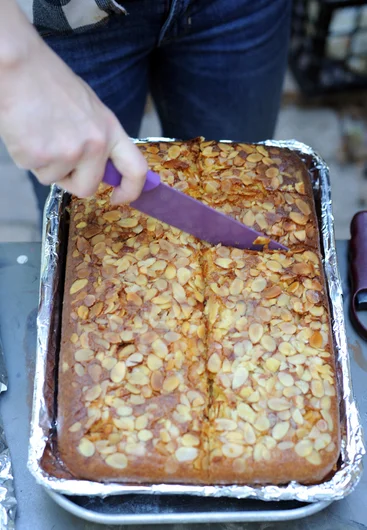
{"x":185,"y":363}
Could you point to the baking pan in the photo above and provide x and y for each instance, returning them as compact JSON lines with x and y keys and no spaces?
{"x":43,"y":459}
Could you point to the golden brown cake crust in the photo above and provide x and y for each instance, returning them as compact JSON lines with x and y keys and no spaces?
{"x":184,"y":363}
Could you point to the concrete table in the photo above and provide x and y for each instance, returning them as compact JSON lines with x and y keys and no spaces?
{"x":36,"y":510}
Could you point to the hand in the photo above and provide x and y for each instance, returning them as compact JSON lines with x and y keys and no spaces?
{"x":53,"y":124}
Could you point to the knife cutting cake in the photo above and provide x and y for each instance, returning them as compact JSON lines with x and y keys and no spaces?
{"x":182,"y":362}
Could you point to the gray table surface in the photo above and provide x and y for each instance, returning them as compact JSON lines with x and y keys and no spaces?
{"x":36,"y":511}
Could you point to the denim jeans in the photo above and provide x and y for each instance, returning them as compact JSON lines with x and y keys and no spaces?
{"x":215,"y":68}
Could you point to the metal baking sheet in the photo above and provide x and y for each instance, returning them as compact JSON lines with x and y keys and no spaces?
{"x":179,"y":509}
{"x":43,"y":462}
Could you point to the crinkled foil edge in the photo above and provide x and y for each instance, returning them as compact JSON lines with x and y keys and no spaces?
{"x":349,"y":470}
{"x":8,"y":503}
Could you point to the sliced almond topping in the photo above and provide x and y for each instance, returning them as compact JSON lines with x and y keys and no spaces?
{"x":93,"y":393}
{"x":284,"y":446}
{"x":65,"y":367}
{"x":286,"y":379}
{"x":83,"y":355}
{"x":170,"y":272}
{"x":78,"y":285}
{"x":268,"y":343}
{"x":124,"y":423}
{"x":322,"y":441}
{"x":124,"y":411}
{"x":297,"y":359}
{"x":172,"y":336}
{"x":303,"y":207}
{"x":134,"y":359}
{"x":112,"y":216}
{"x":108,"y":363}
{"x":263,"y":313}
{"x":178,"y":292}
{"x":262,"y":424}
{"x":286,"y":349}
{"x":174,"y":151}
{"x":325,"y":403}
{"x":134,"y":298}
{"x":154,"y":362}
{"x":144,"y":435}
{"x":118,"y":372}
{"x":272,"y":172}
{"x":75,"y":427}
{"x":170,"y":383}
{"x":254,"y":157}
{"x":274,"y":266}
{"x":239,"y":377}
{"x":74,"y":338}
{"x":314,"y":458}
{"x":129,"y":222}
{"x":236,"y":287}
{"x":298,"y":218}
{"x":214,"y":363}
{"x":246,"y":413}
{"x":279,"y":404}
{"x":300,"y":187}
{"x":86,"y":448}
{"x":232,"y":450}
{"x":280,"y":430}
{"x":186,"y":454}
{"x":156,"y":381}
{"x":83,"y":312}
{"x":258,"y":285}
{"x":317,"y":311}
{"x":183,"y":275}
{"x":272,"y":292}
{"x":259,"y":450}
{"x":330,"y":447}
{"x":303,"y":448}
{"x":141,"y":422}
{"x":317,"y":388}
{"x":249,"y":218}
{"x":190,"y":440}
{"x":329,"y":420}
{"x":255,"y":332}
{"x":249,"y":434}
{"x":117,"y":461}
{"x":160,"y":348}
{"x":224,"y":263}
{"x":79,"y":369}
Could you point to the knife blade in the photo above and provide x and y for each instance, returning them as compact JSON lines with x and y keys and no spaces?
{"x":177,"y":209}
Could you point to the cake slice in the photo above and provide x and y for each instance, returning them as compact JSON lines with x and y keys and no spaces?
{"x":274,"y":410}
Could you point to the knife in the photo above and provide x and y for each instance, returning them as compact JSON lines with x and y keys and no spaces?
{"x":189,"y":215}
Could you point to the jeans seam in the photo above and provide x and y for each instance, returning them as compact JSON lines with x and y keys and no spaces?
{"x":118,"y":7}
{"x":168,"y":22}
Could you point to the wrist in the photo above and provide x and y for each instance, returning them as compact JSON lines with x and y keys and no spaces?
{"x":17,"y":37}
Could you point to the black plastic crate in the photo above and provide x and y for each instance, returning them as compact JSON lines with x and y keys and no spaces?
{"x":328,"y":49}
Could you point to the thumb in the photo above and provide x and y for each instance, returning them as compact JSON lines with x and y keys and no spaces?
{"x":133,"y":167}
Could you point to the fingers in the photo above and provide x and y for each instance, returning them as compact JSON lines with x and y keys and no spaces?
{"x":78,"y":170}
{"x":53,"y":173}
{"x":129,"y":161}
{"x":84,"y":180}
{"x":76,"y":159}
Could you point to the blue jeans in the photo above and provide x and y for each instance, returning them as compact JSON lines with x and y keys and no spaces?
{"x":215,"y":68}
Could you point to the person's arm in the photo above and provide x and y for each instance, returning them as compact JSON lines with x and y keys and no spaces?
{"x":52,"y":123}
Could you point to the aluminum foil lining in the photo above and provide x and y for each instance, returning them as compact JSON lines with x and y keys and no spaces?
{"x":349,"y":469}
{"x":8,"y":501}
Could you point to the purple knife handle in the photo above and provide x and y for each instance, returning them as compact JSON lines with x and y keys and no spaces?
{"x":113,"y":178}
